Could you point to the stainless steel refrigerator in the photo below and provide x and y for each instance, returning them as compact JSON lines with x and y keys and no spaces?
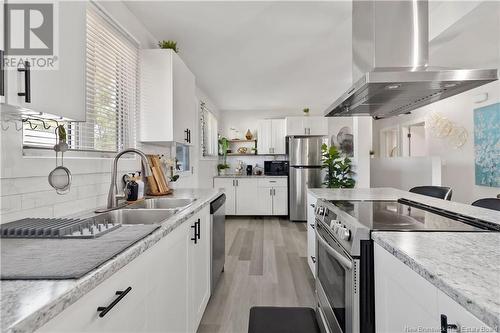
{"x":304,"y":154}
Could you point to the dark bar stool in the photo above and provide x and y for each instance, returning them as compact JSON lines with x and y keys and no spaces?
{"x":490,"y":203}
{"x":440,"y":192}
{"x":270,"y":319}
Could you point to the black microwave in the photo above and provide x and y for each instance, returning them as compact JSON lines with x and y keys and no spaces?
{"x":276,"y":168}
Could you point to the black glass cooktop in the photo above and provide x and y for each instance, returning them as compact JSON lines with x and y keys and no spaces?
{"x":408,"y":215}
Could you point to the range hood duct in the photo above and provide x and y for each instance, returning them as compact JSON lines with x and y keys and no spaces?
{"x":390,"y":41}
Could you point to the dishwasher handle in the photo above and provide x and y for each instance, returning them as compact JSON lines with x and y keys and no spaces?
{"x":217,"y":203}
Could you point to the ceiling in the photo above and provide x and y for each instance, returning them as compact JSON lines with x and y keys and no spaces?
{"x":259,"y":55}
{"x":272,"y":55}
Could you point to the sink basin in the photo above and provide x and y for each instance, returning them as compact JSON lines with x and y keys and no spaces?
{"x":135,"y":216}
{"x":163,"y":203}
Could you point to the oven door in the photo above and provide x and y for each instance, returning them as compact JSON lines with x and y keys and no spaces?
{"x":336,"y":284}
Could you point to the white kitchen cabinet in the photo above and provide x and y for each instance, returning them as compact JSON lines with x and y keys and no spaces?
{"x":246,"y":194}
{"x":168,"y":103}
{"x":199,"y":268}
{"x":311,"y":233}
{"x":170,"y":288}
{"x":255,"y":196}
{"x":229,"y":188}
{"x":307,"y":125}
{"x":271,"y":137}
{"x":2,"y":57}
{"x":405,"y":301}
{"x":273,"y":197}
{"x":59,"y":91}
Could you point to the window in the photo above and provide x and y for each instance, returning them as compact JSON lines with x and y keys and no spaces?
{"x":209,"y":141}
{"x":112,"y":76}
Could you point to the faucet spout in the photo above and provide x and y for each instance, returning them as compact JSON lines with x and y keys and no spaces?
{"x":113,"y":187}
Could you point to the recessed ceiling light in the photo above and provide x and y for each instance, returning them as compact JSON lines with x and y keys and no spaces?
{"x":393,"y":86}
{"x":450,"y":85}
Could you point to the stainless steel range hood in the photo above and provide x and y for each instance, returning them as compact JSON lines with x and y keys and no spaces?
{"x":390,"y":63}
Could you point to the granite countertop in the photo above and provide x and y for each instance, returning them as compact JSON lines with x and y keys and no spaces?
{"x":28,"y":304}
{"x":386,"y":193}
{"x":465,"y":266}
{"x":252,"y":176}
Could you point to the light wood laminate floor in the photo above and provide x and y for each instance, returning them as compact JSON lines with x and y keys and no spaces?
{"x":265,"y":265}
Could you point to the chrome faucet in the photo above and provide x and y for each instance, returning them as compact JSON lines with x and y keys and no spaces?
{"x":113,"y":187}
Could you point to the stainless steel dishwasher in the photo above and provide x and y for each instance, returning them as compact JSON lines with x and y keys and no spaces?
{"x":218,"y":238}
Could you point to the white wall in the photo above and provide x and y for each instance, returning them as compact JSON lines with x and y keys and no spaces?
{"x":472,"y":42}
{"x":405,"y":172}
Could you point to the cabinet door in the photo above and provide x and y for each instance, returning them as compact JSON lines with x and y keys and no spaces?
{"x":280,"y":201}
{"x":246,"y":195}
{"x":278,"y":134}
{"x":59,"y":91}
{"x":264,"y":201}
{"x":167,"y":300}
{"x":295,"y":126}
{"x":184,"y":101}
{"x":129,"y":315}
{"x":311,"y":234}
{"x":316,"y":125}
{"x":264,"y":141}
{"x":458,"y":315}
{"x":199,"y":269}
{"x":400,"y":291}
{"x":227,"y":185}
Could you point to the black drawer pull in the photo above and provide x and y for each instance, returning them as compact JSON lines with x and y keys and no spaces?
{"x":445,"y":326}
{"x":313,"y":258}
{"x":121,"y":294}
{"x":198,"y":223}
{"x":195,"y":227}
{"x":27,"y":82}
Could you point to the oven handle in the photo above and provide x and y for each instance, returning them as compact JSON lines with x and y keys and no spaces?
{"x":343,"y":260}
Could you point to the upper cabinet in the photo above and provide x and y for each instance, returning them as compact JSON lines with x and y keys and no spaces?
{"x":306,"y":126}
{"x":168,"y":102}
{"x":271,"y":134}
{"x":53,"y":83}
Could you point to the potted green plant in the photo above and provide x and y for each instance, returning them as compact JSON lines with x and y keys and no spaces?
{"x":168,"y":44}
{"x":223,"y":148}
{"x":306,"y":111}
{"x":338,"y":168}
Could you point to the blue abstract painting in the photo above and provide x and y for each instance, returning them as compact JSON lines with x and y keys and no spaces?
{"x":487,"y":145}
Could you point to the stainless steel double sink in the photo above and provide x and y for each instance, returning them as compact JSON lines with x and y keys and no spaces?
{"x":149,"y":211}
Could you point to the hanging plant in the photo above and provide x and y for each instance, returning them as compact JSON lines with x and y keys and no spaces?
{"x":168,"y":44}
{"x":338,"y":168}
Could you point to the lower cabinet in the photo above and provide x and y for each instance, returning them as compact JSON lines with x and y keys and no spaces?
{"x":164,"y":289}
{"x":311,"y":233}
{"x":255,"y":196}
{"x":406,"y":302}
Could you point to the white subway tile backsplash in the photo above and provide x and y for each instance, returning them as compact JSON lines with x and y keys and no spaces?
{"x":36,"y":212}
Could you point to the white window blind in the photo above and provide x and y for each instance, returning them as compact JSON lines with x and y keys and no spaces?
{"x":209,"y":140}
{"x":112,"y":76}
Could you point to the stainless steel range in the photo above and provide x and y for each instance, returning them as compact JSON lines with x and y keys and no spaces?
{"x":344,"y":279}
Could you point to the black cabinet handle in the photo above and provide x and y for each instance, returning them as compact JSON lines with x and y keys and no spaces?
{"x":2,"y":74}
{"x":445,"y":326}
{"x":189,"y":135}
{"x":198,"y":223}
{"x":313,"y":205}
{"x":313,"y":258}
{"x":27,"y":82}
{"x":121,"y":294}
{"x":195,"y":237}
{"x":312,"y":225}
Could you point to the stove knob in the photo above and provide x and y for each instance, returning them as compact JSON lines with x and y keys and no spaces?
{"x":345,"y":234}
{"x":321,"y":210}
{"x":336,"y":226}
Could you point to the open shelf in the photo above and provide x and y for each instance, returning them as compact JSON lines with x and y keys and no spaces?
{"x":238,"y":154}
{"x":242,"y":140}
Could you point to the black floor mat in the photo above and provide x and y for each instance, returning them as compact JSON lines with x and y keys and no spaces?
{"x":269,"y":319}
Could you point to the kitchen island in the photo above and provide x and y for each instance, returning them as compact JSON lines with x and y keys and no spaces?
{"x":455,"y":275}
{"x":26,"y":305}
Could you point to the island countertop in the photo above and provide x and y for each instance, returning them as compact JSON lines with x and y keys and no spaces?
{"x":387,"y":193}
{"x":26,"y":305}
{"x":465,"y":266}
